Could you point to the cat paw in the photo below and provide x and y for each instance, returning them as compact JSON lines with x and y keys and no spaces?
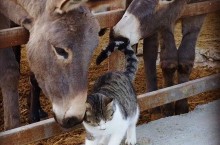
{"x":131,"y":144}
{"x":130,"y":141}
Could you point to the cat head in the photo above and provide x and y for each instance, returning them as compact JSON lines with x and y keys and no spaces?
{"x":99,"y":109}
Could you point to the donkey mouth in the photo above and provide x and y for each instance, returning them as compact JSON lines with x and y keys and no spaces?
{"x":68,"y":122}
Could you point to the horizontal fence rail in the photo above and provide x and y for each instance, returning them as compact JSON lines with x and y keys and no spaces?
{"x":17,"y":36}
{"x":178,"y":92}
{"x":48,"y":128}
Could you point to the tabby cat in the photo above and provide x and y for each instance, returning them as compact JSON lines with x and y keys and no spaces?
{"x":112,"y":109}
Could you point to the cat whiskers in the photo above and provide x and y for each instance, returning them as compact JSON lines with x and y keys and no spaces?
{"x":102,"y":128}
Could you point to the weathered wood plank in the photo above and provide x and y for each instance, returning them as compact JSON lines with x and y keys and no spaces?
{"x":48,"y":128}
{"x":13,"y":37}
{"x":108,"y":19}
{"x":199,"y":8}
{"x":178,"y":92}
{"x":33,"y":132}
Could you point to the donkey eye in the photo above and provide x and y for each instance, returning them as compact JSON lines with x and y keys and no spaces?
{"x":62,"y":52}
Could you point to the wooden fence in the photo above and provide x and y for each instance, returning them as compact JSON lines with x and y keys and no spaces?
{"x":48,"y":128}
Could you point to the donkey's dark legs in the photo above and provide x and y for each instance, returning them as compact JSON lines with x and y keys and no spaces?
{"x":191,"y":27}
{"x":169,"y":63}
{"x":16,"y":49}
{"x":150,"y":51}
{"x":36,"y":112}
{"x":17,"y":52}
{"x":34,"y":100}
{"x":9,"y":78}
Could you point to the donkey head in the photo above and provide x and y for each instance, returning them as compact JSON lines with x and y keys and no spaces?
{"x":144,"y":17}
{"x":62,"y":41}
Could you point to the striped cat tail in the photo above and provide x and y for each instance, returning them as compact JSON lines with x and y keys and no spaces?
{"x":131,"y":62}
{"x":105,"y":53}
{"x":131,"y":59}
{"x":108,"y":50}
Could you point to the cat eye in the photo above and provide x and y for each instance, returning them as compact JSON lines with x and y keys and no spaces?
{"x":111,"y":113}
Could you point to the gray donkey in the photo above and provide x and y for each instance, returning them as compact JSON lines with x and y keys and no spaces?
{"x":144,"y":19}
{"x":9,"y":77}
{"x":63,"y":36}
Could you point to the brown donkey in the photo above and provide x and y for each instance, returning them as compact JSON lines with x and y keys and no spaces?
{"x":63,"y":36}
{"x":144,"y":19}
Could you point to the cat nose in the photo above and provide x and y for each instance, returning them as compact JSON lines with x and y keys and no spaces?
{"x":102,"y":127}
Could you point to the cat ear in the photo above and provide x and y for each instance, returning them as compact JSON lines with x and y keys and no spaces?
{"x":110,"y":104}
{"x":88,"y":106}
{"x":65,"y":6}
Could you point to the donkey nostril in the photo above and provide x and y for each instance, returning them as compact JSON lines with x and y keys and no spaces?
{"x":70,"y":122}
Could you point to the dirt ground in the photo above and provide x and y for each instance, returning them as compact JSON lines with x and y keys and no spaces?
{"x":209,"y":39}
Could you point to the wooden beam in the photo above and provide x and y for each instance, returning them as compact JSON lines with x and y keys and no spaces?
{"x":13,"y":37}
{"x":19,"y":35}
{"x":16,"y":36}
{"x":33,"y":132}
{"x":48,"y":128}
{"x":199,"y":8}
{"x":110,"y":18}
{"x":178,"y":92}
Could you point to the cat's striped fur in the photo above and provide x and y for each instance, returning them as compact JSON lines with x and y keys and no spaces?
{"x":112,"y":108}
{"x":131,"y":59}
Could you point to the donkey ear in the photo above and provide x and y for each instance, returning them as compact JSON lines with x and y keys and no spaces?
{"x":27,"y":22}
{"x":64,"y":6}
{"x":102,"y":5}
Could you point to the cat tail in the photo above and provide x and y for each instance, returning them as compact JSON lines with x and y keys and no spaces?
{"x":131,"y":62}
{"x":131,"y":58}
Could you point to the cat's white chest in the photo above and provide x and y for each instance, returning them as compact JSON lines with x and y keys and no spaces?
{"x":109,"y":127}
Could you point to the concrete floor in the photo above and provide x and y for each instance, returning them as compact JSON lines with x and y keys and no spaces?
{"x":199,"y":127}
